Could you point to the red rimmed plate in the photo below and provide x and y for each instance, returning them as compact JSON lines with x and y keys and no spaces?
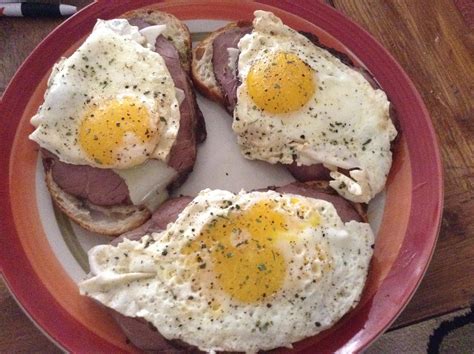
{"x":41,"y":252}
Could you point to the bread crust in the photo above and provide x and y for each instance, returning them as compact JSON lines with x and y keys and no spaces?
{"x":181,"y":38}
{"x":110,"y":221}
{"x":202,"y":71}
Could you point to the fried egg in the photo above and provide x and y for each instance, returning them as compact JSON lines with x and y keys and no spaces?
{"x":112,"y":103}
{"x":297,"y":102}
{"x":238,"y":272}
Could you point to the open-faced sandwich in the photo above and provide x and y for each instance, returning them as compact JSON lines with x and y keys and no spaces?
{"x":235,"y":272}
{"x":119,"y":124}
{"x":222,"y":271}
{"x":296,"y":102}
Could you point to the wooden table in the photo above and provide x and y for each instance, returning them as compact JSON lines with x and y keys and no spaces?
{"x":434,"y":42}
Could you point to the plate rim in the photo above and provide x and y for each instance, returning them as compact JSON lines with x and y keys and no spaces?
{"x":302,"y":10}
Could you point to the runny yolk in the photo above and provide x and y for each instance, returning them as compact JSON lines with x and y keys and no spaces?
{"x":280,"y":83}
{"x":246,"y":262}
{"x":118,"y":133}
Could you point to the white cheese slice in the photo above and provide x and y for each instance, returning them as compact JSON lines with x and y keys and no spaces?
{"x":147,"y":182}
{"x":151,"y":33}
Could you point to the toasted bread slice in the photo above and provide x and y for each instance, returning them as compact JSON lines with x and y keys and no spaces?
{"x":202,"y":69}
{"x":176,"y":31}
{"x":116,"y":220}
{"x":110,"y":221}
{"x":143,"y":333}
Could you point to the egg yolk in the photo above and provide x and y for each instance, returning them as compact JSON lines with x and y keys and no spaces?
{"x":118,"y":133}
{"x":246,"y":262}
{"x":280,"y":83}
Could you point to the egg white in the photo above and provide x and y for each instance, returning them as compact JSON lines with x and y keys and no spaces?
{"x":345,"y":124}
{"x":114,"y":62}
{"x":153,"y":279}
